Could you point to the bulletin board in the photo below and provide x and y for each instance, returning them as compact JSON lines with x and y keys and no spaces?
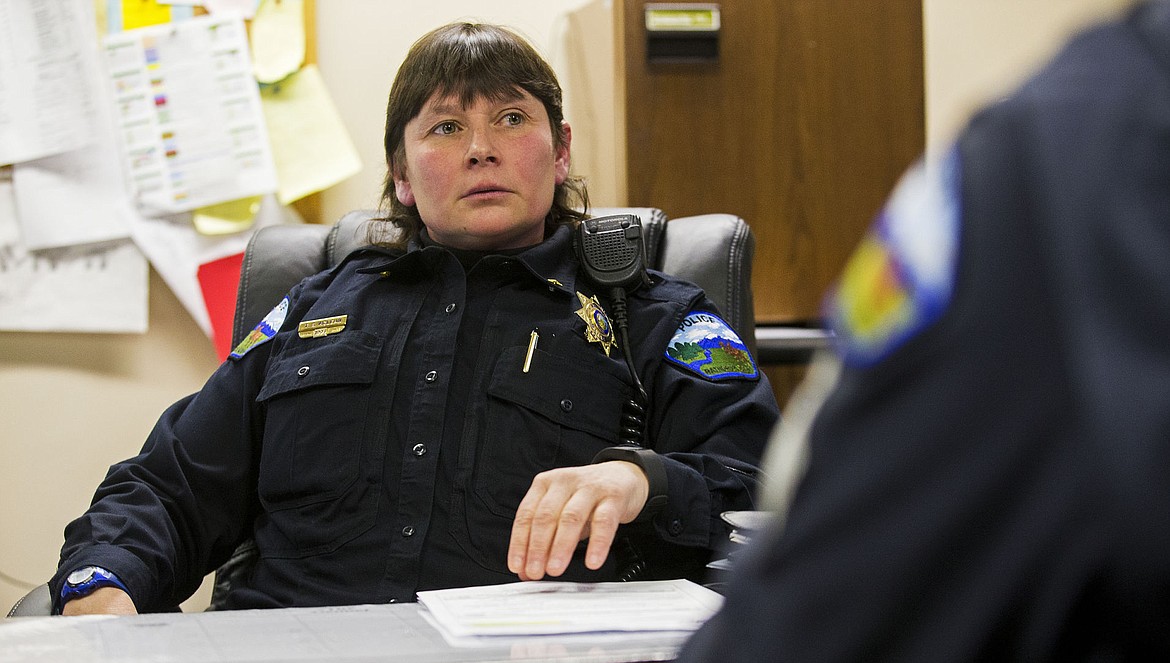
{"x":153,"y":134}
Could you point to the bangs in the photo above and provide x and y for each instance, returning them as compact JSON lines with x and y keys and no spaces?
{"x":481,"y":66}
{"x":468,"y":62}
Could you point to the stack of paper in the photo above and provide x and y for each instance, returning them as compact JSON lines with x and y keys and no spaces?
{"x":563,"y":608}
{"x":744,"y":526}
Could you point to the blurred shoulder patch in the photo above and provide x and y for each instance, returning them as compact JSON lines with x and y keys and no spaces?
{"x":707,"y":346}
{"x":901,"y":277}
{"x":264,"y":331}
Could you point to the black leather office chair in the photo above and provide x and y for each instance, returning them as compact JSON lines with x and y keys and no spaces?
{"x":713,"y":251}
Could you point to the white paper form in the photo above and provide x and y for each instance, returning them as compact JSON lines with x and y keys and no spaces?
{"x":79,"y":196}
{"x":91,"y":288}
{"x":45,"y":106}
{"x":189,"y":113}
{"x":547,"y":608}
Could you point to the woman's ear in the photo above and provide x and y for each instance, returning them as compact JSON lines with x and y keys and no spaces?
{"x":403,"y":191}
{"x":561,"y":161}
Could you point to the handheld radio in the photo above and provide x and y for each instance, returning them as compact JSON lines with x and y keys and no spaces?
{"x":613,"y":255}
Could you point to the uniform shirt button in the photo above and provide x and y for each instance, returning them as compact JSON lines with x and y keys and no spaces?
{"x":432,"y":376}
{"x":676,"y":527}
{"x":567,"y":405}
{"x":408,"y":531}
{"x":303,"y":371}
{"x":419,"y":449}
{"x":450,"y":308}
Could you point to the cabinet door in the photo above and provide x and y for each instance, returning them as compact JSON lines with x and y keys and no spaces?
{"x":801,"y":126}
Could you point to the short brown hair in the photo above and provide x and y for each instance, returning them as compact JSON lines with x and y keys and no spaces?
{"x":470,"y":61}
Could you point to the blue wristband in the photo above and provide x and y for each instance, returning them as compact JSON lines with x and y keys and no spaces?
{"x":87,"y":580}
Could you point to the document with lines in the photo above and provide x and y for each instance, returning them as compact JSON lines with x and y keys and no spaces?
{"x":545,"y":608}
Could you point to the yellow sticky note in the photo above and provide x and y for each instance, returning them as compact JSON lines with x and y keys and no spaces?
{"x":141,"y":13}
{"x":227,"y":218}
{"x":277,"y":39}
{"x":310,"y":145}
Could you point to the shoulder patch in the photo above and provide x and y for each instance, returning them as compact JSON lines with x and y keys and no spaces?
{"x":263,"y":331}
{"x":901,"y":277}
{"x":707,"y":346}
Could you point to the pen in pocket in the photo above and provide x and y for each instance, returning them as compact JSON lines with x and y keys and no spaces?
{"x":533,"y":338}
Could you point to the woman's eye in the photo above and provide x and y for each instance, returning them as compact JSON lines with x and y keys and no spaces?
{"x":446,"y":128}
{"x":513,"y":119}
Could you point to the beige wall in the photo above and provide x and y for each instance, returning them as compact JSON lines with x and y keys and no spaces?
{"x":977,"y":50}
{"x":72,"y":404}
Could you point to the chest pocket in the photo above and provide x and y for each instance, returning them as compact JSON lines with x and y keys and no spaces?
{"x":560,"y":413}
{"x":312,"y":479}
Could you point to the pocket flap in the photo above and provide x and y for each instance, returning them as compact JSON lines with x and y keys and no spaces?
{"x":585,"y":398}
{"x":348,"y":358}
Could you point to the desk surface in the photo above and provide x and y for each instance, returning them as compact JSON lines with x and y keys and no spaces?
{"x":352,"y":633}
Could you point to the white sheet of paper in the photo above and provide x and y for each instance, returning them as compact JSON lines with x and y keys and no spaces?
{"x":189,"y":113}
{"x":79,"y":196}
{"x":91,"y":288}
{"x":9,"y":227}
{"x":45,"y":105}
{"x":246,"y":8}
{"x":73,"y":198}
{"x":545,"y":608}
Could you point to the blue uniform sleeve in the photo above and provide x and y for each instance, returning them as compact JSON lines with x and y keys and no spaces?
{"x":165,"y":518}
{"x":709,"y":420}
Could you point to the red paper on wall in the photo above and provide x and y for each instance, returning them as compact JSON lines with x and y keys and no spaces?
{"x":219,"y":280}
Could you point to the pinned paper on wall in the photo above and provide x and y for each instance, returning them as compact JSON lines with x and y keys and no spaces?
{"x":92,"y":288}
{"x":141,"y":13}
{"x":79,"y":196}
{"x":234,"y":216}
{"x":73,"y":198}
{"x":176,"y":251}
{"x":311,"y":147}
{"x":9,"y":228}
{"x":245,"y":8}
{"x":278,"y":39}
{"x":189,"y":114}
{"x":89,"y":288}
{"x":219,"y":280}
{"x":46,"y":107}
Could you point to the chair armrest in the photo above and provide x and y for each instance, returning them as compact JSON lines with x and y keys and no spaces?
{"x":37,"y":603}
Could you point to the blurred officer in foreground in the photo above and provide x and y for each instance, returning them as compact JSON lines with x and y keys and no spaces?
{"x":988,"y":478}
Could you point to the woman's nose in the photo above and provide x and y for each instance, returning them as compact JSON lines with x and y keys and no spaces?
{"x":481,"y":149}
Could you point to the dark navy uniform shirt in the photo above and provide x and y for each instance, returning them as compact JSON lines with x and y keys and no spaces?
{"x":988,"y":480}
{"x":389,"y":457}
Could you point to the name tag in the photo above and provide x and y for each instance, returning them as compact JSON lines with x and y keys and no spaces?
{"x":322,"y":327}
